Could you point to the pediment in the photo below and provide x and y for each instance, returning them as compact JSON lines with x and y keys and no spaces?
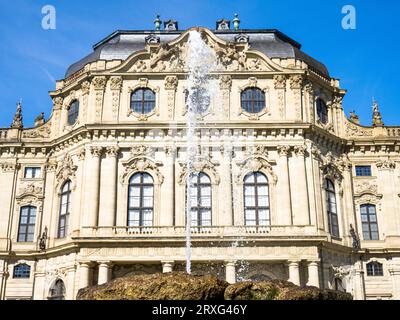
{"x":171,"y":57}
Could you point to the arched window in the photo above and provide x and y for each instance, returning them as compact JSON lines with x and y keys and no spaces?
{"x":256,"y":200}
{"x":22,"y":271}
{"x":65,"y":207}
{"x":253,"y":100}
{"x":73,"y":112}
{"x":331,"y":208}
{"x":143,"y":101}
{"x":369,"y":222}
{"x":322,"y":111}
{"x":374,"y":269}
{"x":199,"y":100}
{"x":57,"y":291}
{"x":27,"y":223}
{"x":200,"y":199}
{"x":141,"y":200}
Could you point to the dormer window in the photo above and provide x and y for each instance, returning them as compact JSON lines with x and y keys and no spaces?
{"x":322,"y":111}
{"x":171,"y":25}
{"x":152,"y":39}
{"x":223,"y":24}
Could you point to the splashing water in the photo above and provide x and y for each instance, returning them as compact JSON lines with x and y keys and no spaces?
{"x":201,"y":61}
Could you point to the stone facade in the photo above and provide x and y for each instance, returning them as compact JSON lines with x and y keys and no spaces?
{"x":287,"y":142}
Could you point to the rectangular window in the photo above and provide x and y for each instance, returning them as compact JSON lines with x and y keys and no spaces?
{"x":363,"y":171}
{"x":33,"y":172}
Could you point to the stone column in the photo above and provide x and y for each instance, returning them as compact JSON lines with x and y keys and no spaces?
{"x":294,"y":272}
{"x":299,"y":190}
{"x":226,"y":187}
{"x":313,"y":274}
{"x":358,"y":282}
{"x":230,"y":271}
{"x":93,"y":186}
{"x":167,"y":266}
{"x":389,"y":205}
{"x":104,"y":272}
{"x":394,"y":270}
{"x":284,"y":217}
{"x":168,"y":196}
{"x":108,"y":193}
{"x":70,"y":285}
{"x":85,"y":274}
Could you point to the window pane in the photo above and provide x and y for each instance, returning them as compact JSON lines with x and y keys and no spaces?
{"x":251,"y":214}
{"x":249,"y":190}
{"x":250,"y":201}
{"x":249,"y":178}
{"x":147,"y":191}
{"x":147,"y":178}
{"x":147,"y":201}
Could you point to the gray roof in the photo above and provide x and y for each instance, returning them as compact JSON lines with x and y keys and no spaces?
{"x":121,"y":44}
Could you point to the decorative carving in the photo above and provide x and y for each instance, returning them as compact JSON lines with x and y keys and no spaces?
{"x":200,"y":164}
{"x":300,"y":151}
{"x":31,"y":189}
{"x":141,"y":150}
{"x":112,"y":151}
{"x":9,"y":167}
{"x":141,"y":164}
{"x":225,"y":82}
{"x":116,"y":83}
{"x":58,"y":103}
{"x":66,"y":169}
{"x":252,"y":82}
{"x":386,"y":165}
{"x":296,"y":82}
{"x":283,"y":151}
{"x":254,"y":64}
{"x":99,"y":83}
{"x":353,"y":130}
{"x":152,"y":39}
{"x":96,"y":151}
{"x":81,"y":154}
{"x":43,"y":131}
{"x":85,"y":87}
{"x":242,"y":38}
{"x":254,"y":164}
{"x":171,"y":82}
{"x":280,"y":81}
{"x":362,"y":187}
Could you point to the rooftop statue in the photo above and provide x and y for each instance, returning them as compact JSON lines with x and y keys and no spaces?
{"x":17,"y":121}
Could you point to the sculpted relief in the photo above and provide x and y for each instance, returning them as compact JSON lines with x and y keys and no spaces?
{"x":172,"y":57}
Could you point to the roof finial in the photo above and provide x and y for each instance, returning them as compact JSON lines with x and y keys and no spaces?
{"x":376,"y":115}
{"x":157,"y":23}
{"x":17,"y":121}
{"x":236,"y":22}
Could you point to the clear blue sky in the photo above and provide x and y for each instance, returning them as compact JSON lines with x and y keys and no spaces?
{"x":365,"y":59}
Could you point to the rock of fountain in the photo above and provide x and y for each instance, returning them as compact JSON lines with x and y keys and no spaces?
{"x":182,"y":286}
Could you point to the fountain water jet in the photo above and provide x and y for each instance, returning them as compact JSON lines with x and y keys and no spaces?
{"x":201,"y":61}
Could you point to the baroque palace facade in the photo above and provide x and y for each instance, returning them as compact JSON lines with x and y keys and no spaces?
{"x":289,"y":187}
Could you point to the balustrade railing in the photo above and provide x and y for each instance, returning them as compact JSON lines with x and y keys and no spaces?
{"x":180,"y":231}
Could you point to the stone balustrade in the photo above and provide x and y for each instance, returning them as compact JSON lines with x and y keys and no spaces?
{"x":217,"y":231}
